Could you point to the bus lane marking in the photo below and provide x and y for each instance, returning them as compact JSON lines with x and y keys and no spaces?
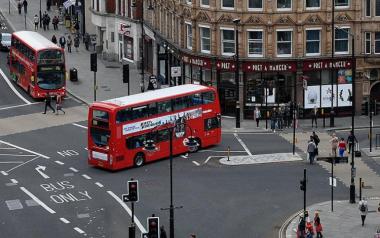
{"x":23,"y":149}
{"x":86,"y":176}
{"x":78,"y":125}
{"x":64,"y":220}
{"x":42,"y":204}
{"x":80,"y":231}
{"x":14,"y":181}
{"x":13,"y":88}
{"x":128,"y":210}
{"x":22,"y":105}
{"x":243,"y":144}
{"x":74,"y":169}
{"x":99,"y":185}
{"x":65,"y":192}
{"x":59,"y":162}
{"x":24,"y":163}
{"x":4,"y":173}
{"x":196,"y":163}
{"x":212,"y":156}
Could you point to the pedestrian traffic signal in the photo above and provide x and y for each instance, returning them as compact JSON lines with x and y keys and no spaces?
{"x":125,"y":73}
{"x":133,"y":191}
{"x":153,"y":227}
{"x":94,"y":63}
{"x":303,"y":185}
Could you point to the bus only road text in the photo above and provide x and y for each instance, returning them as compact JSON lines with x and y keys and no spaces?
{"x":65,"y":196}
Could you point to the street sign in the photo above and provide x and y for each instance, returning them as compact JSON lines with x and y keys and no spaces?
{"x":333,"y":180}
{"x":176,"y":71}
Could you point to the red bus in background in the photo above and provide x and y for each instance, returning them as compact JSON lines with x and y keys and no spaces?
{"x":37,"y":64}
{"x":117,"y":128}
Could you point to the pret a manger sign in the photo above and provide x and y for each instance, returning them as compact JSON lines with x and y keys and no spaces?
{"x":154,"y":122}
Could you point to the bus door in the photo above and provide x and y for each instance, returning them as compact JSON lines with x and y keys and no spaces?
{"x":211,"y":130}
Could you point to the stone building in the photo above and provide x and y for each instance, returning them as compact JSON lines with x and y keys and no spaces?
{"x":285,"y":48}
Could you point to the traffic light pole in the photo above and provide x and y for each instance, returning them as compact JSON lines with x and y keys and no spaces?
{"x":171,"y":219}
{"x":304,"y":195}
{"x":352,"y":185}
{"x":95,"y":86}
{"x":332,"y":182}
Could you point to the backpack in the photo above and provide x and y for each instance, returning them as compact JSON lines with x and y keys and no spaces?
{"x":362,"y":208}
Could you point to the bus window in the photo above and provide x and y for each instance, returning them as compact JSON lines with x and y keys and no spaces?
{"x":211,"y":123}
{"x":208,"y":97}
{"x":162,"y":135}
{"x":165,"y":106}
{"x":180,"y":103}
{"x":123,"y":115}
{"x":100,"y":115}
{"x":139,"y":112}
{"x":195,"y":100}
{"x":136,"y":141}
{"x":152,"y":109}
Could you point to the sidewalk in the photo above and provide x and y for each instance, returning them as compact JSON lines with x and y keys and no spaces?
{"x":343,"y":222}
{"x":109,"y":75}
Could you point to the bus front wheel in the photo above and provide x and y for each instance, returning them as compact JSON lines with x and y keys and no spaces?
{"x":139,"y":159}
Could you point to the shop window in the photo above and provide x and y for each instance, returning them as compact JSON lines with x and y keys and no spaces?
{"x":377,"y":42}
{"x":313,"y":42}
{"x":255,"y":43}
{"x":205,"y":39}
{"x":341,"y":3}
{"x":228,"y":4}
{"x":228,"y":41}
{"x":313,"y":4}
{"x":367,"y":42}
{"x":284,"y":43}
{"x":128,"y":47}
{"x":205,"y":3}
{"x":189,"y":36}
{"x":255,"y":4}
{"x":341,"y":40}
{"x":284,"y":4}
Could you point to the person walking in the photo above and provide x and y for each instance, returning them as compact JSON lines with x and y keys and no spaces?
{"x":48,"y":103}
{"x":19,"y":6}
{"x":316,"y":141}
{"x":314,"y":117}
{"x":48,"y":5}
{"x":334,"y":144}
{"x":350,"y":141}
{"x":62,"y":42}
{"x":36,"y":21}
{"x":318,"y":225}
{"x":162,"y":232}
{"x":342,"y":147}
{"x":273,"y":120}
{"x":76,"y":42}
{"x":25,"y":5}
{"x":44,"y":21}
{"x":301,"y":228}
{"x":86,"y":40}
{"x":58,"y":104}
{"x":309,"y":228}
{"x":69,"y":43}
{"x":47,"y":21}
{"x":363,"y":207}
{"x":311,"y":149}
{"x":257,"y":116}
{"x":54,"y":39}
{"x":55,"y":23}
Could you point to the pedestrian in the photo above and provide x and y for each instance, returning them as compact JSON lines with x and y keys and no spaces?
{"x":25,"y":4}
{"x":86,"y":40}
{"x":55,"y":22}
{"x":377,"y":235}
{"x":280,"y":118}
{"x":342,"y":147}
{"x":318,"y":225}
{"x":257,"y":116}
{"x":309,"y":228}
{"x":316,"y":141}
{"x":162,"y":232}
{"x":314,"y":116}
{"x":44,"y":21}
{"x":311,"y":149}
{"x":48,"y":5}
{"x":76,"y":42}
{"x":363,"y":207}
{"x":47,"y":21}
{"x":19,"y":6}
{"x":301,"y":228}
{"x":58,"y":105}
{"x":334,"y":144}
{"x":273,"y":120}
{"x":36,"y":21}
{"x":48,"y":103}
{"x":350,"y":141}
{"x":287,"y":116}
{"x":54,"y":39}
{"x":76,"y":27}
{"x":62,"y":42}
{"x":69,"y":43}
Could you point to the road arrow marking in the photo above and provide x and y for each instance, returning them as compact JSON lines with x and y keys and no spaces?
{"x":39,"y":168}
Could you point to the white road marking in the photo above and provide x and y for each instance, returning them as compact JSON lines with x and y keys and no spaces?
{"x":196,"y":163}
{"x":14,"y":181}
{"x":184,"y":156}
{"x":11,"y":162}
{"x":73,"y":169}
{"x":78,"y":125}
{"x":59,"y":162}
{"x":13,"y":88}
{"x":128,"y":210}
{"x":224,"y":151}
{"x":99,"y":184}
{"x":85,"y":148}
{"x":86,"y":176}
{"x":39,"y":168}
{"x":17,"y":155}
{"x":213,"y":156}
{"x":22,"y":105}
{"x":37,"y":200}
{"x":20,"y":148}
{"x":4,"y":173}
{"x":64,"y":220}
{"x":8,"y":148}
{"x":23,"y":164}
{"x":242,"y":144}
{"x":80,"y":231}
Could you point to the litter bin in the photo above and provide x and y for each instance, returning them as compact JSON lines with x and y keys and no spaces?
{"x":73,"y":74}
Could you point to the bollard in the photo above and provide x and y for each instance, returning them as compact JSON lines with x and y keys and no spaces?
{"x":360,"y":189}
{"x":228,"y":153}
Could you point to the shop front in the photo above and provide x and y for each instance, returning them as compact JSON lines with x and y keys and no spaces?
{"x":197,"y":70}
{"x":267,"y":85}
{"x":225,"y":77}
{"x":125,"y":43}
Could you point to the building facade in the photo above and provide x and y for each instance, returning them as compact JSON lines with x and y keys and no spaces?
{"x":290,"y":50}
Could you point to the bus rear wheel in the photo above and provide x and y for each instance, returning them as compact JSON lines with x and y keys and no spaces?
{"x":139,"y":159}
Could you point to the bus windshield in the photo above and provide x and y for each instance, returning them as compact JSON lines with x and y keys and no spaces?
{"x":50,"y":79}
{"x":100,"y":137}
{"x":50,"y":57}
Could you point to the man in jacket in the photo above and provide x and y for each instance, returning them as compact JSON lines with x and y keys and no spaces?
{"x":311,"y":149}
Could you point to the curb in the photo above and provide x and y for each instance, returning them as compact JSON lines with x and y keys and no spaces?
{"x":284,"y":227}
{"x":349,"y":128}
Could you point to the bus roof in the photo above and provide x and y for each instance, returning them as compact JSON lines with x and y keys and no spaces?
{"x":35,"y":40}
{"x":156,"y":94}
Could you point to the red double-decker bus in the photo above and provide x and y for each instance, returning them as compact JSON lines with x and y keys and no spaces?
{"x":118,"y":128}
{"x":37,"y":64}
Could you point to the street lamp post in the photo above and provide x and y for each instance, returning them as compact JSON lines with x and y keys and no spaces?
{"x":352,"y":186}
{"x":142,"y":47}
{"x":40,"y":15}
{"x":237,"y":109}
{"x":332,"y":59}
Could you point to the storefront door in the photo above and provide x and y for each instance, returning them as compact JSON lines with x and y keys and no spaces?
{"x":121,"y":47}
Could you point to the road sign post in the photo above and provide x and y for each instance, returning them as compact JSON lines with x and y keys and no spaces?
{"x":176,"y":72}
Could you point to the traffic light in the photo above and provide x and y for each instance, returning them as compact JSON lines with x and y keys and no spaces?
{"x":125,"y":73}
{"x":303,"y":185}
{"x":94,"y":63}
{"x":133,"y":191}
{"x":153,"y":227}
